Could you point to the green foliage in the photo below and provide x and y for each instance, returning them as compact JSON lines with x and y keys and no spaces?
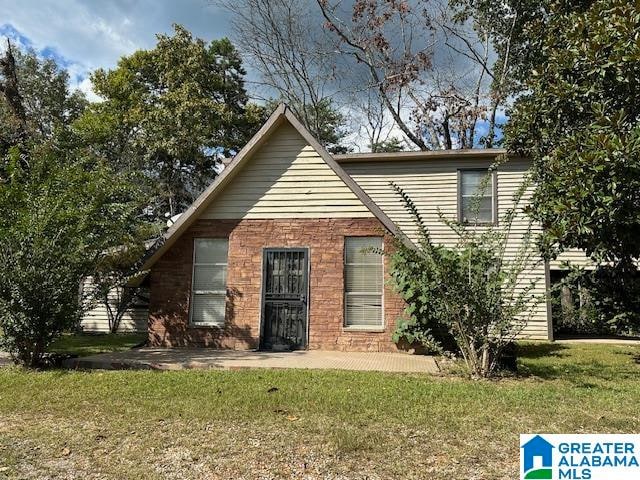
{"x":393,"y":144}
{"x":58,"y":219}
{"x":323,"y":120}
{"x":49,"y":105}
{"x":589,"y":191}
{"x":604,"y":301}
{"x":172,"y":112}
{"x":425,"y":315}
{"x":64,"y":209}
{"x":472,"y":294}
{"x":580,"y":122}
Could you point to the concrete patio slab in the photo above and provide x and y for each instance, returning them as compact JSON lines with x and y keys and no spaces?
{"x":205,"y":358}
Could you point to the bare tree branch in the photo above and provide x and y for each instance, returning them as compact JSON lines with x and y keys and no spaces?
{"x":368,"y":44}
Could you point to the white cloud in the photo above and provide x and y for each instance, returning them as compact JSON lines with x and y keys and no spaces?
{"x":96,"y":34}
{"x":87,"y":34}
{"x":86,"y":87}
{"x":69,"y":27}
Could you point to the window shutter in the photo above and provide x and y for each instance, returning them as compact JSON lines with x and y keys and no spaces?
{"x":363,"y":282}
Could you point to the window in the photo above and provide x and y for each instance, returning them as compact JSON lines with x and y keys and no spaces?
{"x":476,"y":196}
{"x":363,"y":281}
{"x":209,"y":281}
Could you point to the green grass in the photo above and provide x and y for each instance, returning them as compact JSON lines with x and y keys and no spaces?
{"x":228,"y":424}
{"x":83,"y":345}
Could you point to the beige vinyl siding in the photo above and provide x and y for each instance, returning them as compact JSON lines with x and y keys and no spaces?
{"x":286,"y":178}
{"x":433,"y":185}
{"x":574,"y":257}
{"x":96,"y":320}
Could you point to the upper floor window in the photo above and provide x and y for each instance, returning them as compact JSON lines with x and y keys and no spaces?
{"x":477,"y":196}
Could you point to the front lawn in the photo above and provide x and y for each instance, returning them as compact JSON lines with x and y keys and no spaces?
{"x":83,"y":345}
{"x":284,"y":423}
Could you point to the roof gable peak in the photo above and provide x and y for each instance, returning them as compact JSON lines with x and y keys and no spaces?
{"x":281,"y":114}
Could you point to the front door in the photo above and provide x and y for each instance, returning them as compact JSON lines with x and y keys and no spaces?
{"x":284,"y":298}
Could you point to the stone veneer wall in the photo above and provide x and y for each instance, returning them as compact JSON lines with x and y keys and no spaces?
{"x":171,"y":283}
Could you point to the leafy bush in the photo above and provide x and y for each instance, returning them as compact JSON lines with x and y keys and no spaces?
{"x":468,"y":299}
{"x":39,"y":296}
{"x":59,"y":216}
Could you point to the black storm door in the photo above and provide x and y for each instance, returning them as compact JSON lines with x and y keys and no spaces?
{"x":284,"y":298}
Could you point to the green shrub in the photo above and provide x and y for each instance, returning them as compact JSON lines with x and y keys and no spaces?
{"x":59,"y":217}
{"x":469,"y":299}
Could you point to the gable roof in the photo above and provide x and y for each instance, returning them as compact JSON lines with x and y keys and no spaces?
{"x":280,"y":115}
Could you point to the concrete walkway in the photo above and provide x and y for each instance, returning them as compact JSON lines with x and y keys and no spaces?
{"x":600,"y":340}
{"x":206,"y":358}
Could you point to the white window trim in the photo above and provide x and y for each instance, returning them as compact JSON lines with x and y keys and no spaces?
{"x":493,"y":184}
{"x":207,"y":292}
{"x":361,"y":328}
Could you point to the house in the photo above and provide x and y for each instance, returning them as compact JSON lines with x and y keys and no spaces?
{"x":95,"y":319}
{"x":271,"y":254}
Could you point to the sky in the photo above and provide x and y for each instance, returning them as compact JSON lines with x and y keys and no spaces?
{"x":82,"y":35}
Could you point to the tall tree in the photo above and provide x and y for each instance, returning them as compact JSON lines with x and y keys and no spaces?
{"x":35,"y":100}
{"x":440,"y":71}
{"x":62,"y":209}
{"x":488,"y":36}
{"x":173,"y":111}
{"x":372,"y":123}
{"x":293,"y":58}
{"x":12,"y":109}
{"x":394,"y":42}
{"x":579,"y":120}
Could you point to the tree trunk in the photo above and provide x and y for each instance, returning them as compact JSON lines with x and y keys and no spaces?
{"x":566,"y":304}
{"x":10,"y":89}
{"x":486,"y":360}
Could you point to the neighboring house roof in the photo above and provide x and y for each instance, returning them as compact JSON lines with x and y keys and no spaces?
{"x":280,"y":115}
{"x":479,"y":154}
{"x":468,"y":153}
